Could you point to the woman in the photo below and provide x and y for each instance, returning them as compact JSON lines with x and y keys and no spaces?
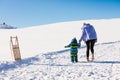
{"x":89,"y":36}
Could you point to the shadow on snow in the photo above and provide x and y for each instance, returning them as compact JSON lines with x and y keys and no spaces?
{"x":107,"y":62}
{"x":11,"y":65}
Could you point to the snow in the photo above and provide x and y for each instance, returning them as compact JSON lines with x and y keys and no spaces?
{"x":5,"y":26}
{"x":45,"y":58}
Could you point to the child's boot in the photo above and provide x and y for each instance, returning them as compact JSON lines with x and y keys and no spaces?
{"x":72,"y":59}
{"x":76,"y":59}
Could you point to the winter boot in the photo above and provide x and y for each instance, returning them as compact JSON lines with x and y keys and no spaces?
{"x":88,"y":59}
{"x":76,"y":59}
{"x":72,"y":59}
{"x":92,"y":57}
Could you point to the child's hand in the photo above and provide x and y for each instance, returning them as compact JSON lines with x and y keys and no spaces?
{"x":96,"y":40}
{"x":65,"y":46}
{"x":79,"y":45}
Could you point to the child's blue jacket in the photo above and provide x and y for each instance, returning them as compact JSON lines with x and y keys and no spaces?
{"x":73,"y":46}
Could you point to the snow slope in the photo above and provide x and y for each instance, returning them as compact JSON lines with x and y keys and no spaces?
{"x":45,"y":58}
{"x":53,"y":37}
{"x":57,"y":66}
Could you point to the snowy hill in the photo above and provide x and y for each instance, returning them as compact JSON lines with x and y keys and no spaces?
{"x":5,"y":26}
{"x":45,"y":58}
{"x":53,"y":37}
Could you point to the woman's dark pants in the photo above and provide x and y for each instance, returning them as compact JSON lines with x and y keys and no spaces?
{"x":90,"y":46}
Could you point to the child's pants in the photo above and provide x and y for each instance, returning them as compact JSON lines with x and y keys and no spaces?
{"x":74,"y":57}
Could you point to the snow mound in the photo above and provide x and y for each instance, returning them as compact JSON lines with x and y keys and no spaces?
{"x":5,"y":26}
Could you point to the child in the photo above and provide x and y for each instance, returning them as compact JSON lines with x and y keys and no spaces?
{"x":73,"y":50}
